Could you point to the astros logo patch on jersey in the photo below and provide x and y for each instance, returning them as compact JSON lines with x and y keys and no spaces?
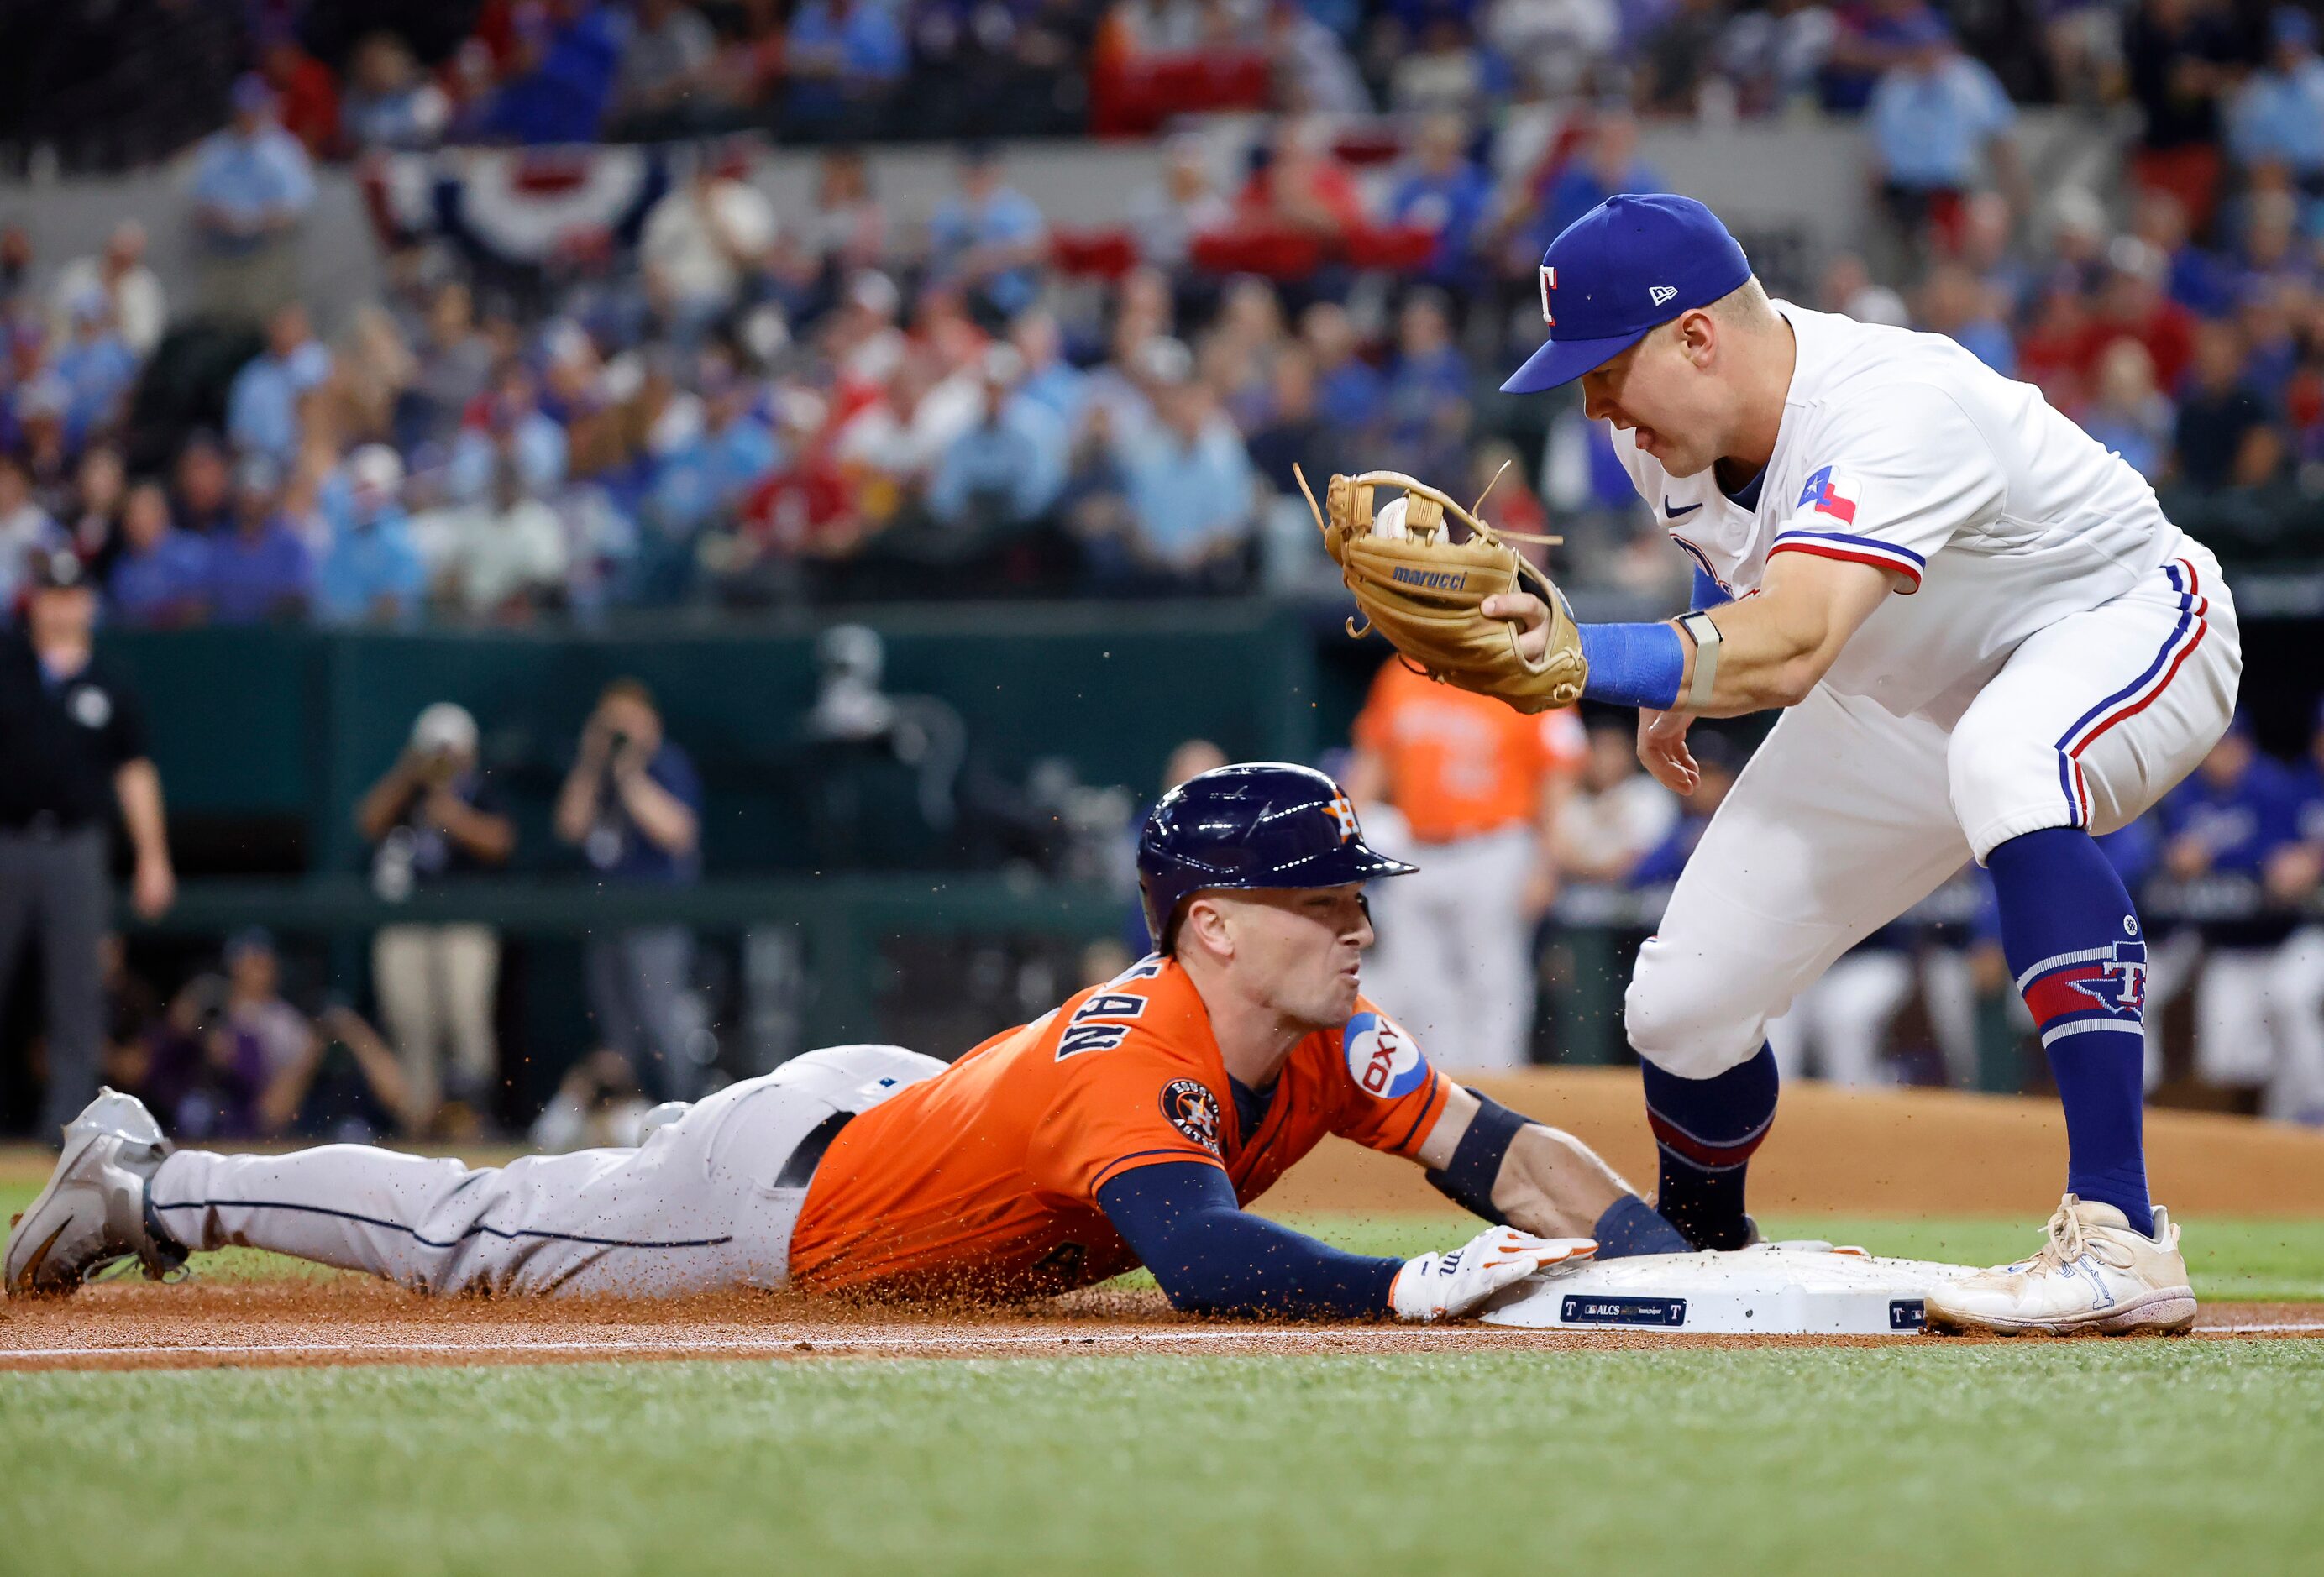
{"x":1382,"y":1058}
{"x":1193,"y":1111}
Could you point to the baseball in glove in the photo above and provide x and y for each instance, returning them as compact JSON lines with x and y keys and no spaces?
{"x":1423,"y":590}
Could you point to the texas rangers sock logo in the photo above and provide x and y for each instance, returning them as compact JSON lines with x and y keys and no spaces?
{"x":2104,"y":988}
{"x":1827,"y":494}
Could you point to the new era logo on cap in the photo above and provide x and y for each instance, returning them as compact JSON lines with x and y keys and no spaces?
{"x":1661,"y":293}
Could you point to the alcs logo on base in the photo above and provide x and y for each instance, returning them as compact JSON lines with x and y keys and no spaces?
{"x":1382,"y":1059}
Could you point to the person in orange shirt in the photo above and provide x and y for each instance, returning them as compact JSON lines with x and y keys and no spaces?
{"x":1470,"y":791}
{"x":1129,"y":1126}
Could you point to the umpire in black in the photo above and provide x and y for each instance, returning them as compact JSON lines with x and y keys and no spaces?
{"x":72,"y":744}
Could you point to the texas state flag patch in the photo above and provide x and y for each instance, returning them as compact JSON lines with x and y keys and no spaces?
{"x":1829,"y":492}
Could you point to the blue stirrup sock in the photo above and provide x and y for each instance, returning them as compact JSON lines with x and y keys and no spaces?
{"x":1705,"y":1130}
{"x":2075,"y":946}
{"x":1634,"y":664}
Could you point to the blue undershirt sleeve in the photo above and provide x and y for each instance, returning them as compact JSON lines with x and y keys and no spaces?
{"x":1213,"y":1257}
{"x":1708,"y":593}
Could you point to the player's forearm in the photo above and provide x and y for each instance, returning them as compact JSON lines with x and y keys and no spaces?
{"x":1512,"y":1171}
{"x":1213,"y":1257}
{"x":1766,"y":657}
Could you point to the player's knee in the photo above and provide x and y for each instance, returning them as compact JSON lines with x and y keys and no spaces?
{"x":1690,"y":1022}
{"x":2003,"y":783}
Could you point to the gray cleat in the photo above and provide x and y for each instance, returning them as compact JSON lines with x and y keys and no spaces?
{"x":92,"y":1213}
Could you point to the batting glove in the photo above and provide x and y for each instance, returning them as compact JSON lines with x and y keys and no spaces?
{"x":1442,"y":1286}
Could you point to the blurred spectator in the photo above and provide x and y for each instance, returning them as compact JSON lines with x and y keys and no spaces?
{"x":205,"y":1076}
{"x":100,"y":487}
{"x":1954,"y":303}
{"x":305,"y":94}
{"x":2130,"y":415}
{"x":390,"y":104}
{"x":661,"y":88}
{"x":162,"y":572}
{"x":96,"y":369}
{"x":435,"y":816}
{"x":2182,"y":56}
{"x":506,"y":424}
{"x":260,"y":571}
{"x":1293,"y":433}
{"x":1183,"y":202}
{"x":370,"y":572}
{"x":1189,"y":482}
{"x":1314,"y":74}
{"x":501,"y":555}
{"x":454,"y":361}
{"x":988,"y":237}
{"x":633,"y":805}
{"x":847,"y":232}
{"x":1938,"y":119}
{"x":1427,"y":398}
{"x":2236,"y":819}
{"x":560,"y":78}
{"x":2132,"y":303}
{"x":140,"y":309}
{"x":25,"y":528}
{"x":2221,"y":419}
{"x":1050,"y":380}
{"x":843,"y":59}
{"x":204,"y":501}
{"x":597,"y":1106}
{"x":1720,"y":760}
{"x":1444,"y":195}
{"x":1469,"y":791}
{"x":1616,"y":815}
{"x":1350,"y":393}
{"x":2277,"y":115}
{"x":1674,"y":57}
{"x":253,"y":187}
{"x":1299,"y":188}
{"x":705,"y":245}
{"x":262,"y":406}
{"x":1606,"y":163}
{"x":1003,"y":474}
{"x":72,"y":751}
{"x":1441,"y":68}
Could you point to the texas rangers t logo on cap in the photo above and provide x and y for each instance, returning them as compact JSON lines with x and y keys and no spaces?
{"x":1548,"y":283}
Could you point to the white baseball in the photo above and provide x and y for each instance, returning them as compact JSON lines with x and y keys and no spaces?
{"x":1389,"y":521}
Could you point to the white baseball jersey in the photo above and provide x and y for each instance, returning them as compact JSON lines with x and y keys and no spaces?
{"x":1995,"y":515}
{"x":2059,"y":656}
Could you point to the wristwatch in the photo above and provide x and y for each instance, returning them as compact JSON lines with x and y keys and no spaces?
{"x":1701,"y":628}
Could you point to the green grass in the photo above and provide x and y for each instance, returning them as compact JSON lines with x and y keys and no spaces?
{"x":2244,"y":1260}
{"x":2123,"y":1457}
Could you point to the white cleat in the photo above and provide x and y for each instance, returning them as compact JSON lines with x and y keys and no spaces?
{"x":92,"y":1214}
{"x":2094,"y":1273}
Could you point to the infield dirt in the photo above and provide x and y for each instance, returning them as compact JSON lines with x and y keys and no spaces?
{"x":1887,"y":1154}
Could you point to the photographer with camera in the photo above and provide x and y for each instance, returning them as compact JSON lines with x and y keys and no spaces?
{"x":633,"y":805}
{"x":433,"y":816}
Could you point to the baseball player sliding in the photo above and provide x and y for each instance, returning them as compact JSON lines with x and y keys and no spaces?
{"x":1988,"y":642}
{"x":1128,"y":1126}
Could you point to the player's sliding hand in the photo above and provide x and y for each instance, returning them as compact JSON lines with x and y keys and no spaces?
{"x":1445,"y":1286}
{"x":1528,"y":613}
{"x":1662,"y":750}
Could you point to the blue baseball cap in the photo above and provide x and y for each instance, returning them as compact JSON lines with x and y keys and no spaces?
{"x":1626,"y":267}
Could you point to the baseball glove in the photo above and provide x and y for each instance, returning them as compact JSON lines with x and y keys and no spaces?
{"x":1422,"y":590}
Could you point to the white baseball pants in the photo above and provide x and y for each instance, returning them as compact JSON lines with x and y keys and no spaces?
{"x":1850,"y":815}
{"x":1840,"y":1021}
{"x":699,"y":1207}
{"x":1453,"y":964}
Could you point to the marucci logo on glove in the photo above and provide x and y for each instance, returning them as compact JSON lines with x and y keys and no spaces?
{"x":1433,"y":579}
{"x":1193,"y":1111}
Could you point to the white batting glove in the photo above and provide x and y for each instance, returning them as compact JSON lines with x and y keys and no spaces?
{"x":1442,"y":1286}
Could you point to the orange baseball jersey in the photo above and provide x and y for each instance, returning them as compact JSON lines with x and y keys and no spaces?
{"x":985,"y":1179}
{"x":1459,"y":763}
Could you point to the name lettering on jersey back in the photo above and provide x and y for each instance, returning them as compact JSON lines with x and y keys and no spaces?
{"x":1096,"y":1025}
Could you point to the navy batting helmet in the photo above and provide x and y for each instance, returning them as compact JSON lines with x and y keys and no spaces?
{"x":1262,"y":824}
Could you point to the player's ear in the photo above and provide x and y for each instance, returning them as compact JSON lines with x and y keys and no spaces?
{"x":1209,"y":924}
{"x":1698,"y":338}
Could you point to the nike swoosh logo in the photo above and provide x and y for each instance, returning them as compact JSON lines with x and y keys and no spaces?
{"x":1673,"y":511}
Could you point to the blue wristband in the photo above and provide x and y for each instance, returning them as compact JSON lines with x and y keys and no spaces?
{"x":1634,"y":664}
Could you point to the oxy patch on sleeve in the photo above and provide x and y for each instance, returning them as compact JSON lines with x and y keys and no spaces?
{"x":1384,"y":1061}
